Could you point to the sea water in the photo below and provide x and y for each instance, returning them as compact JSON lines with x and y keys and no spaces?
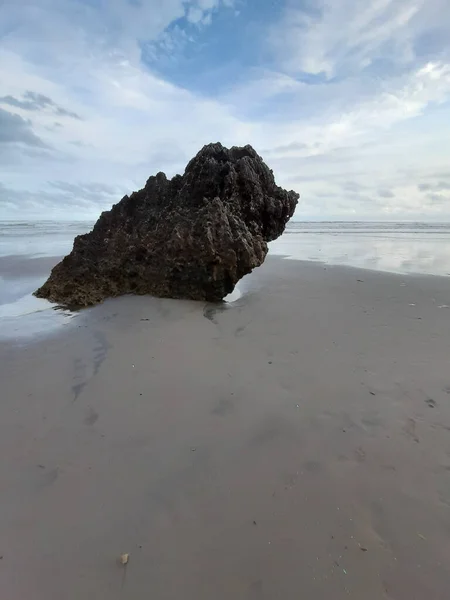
{"x":28,"y":250}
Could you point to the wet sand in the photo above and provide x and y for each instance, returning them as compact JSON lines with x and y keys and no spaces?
{"x":24,"y":265}
{"x":294,"y":444}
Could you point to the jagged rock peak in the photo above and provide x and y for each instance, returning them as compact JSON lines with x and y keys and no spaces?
{"x":193,"y":236}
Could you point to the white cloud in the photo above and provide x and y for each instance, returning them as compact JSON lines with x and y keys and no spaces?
{"x":357,"y":145}
{"x":128,"y":114}
{"x":349,"y":35}
{"x":195,"y":15}
{"x":133,"y":122}
{"x":208,"y":4}
{"x":407,"y":97}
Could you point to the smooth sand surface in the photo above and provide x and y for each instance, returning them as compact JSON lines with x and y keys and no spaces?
{"x":25,"y":265}
{"x":295,"y":444}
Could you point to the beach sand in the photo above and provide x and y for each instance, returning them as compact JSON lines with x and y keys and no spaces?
{"x":293,"y":444}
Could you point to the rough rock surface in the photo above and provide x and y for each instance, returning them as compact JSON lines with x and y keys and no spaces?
{"x":193,"y":236}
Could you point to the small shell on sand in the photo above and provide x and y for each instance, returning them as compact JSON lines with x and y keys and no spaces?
{"x":124,"y":558}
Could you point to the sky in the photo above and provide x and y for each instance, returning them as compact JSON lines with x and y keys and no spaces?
{"x":348,"y":101}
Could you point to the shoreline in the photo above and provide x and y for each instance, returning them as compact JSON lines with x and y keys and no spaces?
{"x":52,"y":313}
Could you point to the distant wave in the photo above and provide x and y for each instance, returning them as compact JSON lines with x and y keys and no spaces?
{"x":40,"y":228}
{"x":365,"y":227}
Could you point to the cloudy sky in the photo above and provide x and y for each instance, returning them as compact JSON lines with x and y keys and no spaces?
{"x":347,"y":100}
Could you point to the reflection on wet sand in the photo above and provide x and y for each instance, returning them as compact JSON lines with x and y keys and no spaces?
{"x":393,"y":247}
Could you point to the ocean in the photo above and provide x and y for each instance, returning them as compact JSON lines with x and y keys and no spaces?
{"x":28,"y":250}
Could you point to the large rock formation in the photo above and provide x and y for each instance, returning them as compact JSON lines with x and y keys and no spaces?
{"x":193,"y":236}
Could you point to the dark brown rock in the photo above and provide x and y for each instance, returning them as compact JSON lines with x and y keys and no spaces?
{"x":193,"y":236}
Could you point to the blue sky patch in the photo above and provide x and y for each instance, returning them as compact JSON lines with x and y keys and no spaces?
{"x":336,"y":96}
